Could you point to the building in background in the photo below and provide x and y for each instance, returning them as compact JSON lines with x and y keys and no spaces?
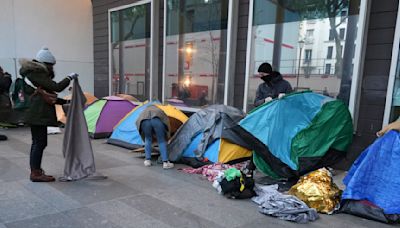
{"x":65,"y":27}
{"x":198,"y":52}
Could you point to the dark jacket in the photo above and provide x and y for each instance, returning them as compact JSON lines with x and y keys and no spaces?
{"x":5,"y":102}
{"x":272,"y":89}
{"x":40,"y":112}
{"x":153,"y":112}
{"x":5,"y":83}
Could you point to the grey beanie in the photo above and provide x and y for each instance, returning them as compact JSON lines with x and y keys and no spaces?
{"x":45,"y":56}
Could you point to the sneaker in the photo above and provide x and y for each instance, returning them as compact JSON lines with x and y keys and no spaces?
{"x":147,"y":163}
{"x":168,"y":165}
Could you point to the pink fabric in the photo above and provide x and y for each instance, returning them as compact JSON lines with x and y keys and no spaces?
{"x":212,"y":171}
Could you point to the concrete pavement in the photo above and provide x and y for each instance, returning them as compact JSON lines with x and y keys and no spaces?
{"x":132,"y":196}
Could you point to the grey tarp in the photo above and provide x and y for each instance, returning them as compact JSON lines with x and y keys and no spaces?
{"x":77,"y":148}
{"x":212,"y":122}
{"x":286,"y":207}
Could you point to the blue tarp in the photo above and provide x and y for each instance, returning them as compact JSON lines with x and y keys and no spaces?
{"x":375,"y":175}
{"x":278,"y":122}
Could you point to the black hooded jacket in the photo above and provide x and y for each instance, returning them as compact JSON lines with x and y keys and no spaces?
{"x":272,"y":88}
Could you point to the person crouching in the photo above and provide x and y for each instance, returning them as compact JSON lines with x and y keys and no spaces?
{"x":154,"y":121}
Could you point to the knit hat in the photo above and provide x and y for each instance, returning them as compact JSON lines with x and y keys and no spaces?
{"x":265,"y":68}
{"x":45,"y":56}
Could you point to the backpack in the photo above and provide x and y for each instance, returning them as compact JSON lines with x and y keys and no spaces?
{"x":20,"y":98}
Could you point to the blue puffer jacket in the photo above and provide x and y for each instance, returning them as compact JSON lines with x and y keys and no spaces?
{"x":272,"y":88}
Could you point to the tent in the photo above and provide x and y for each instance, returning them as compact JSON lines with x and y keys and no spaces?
{"x":373,"y":182}
{"x":127,"y":135}
{"x":127,"y":97}
{"x":299,"y":133}
{"x":102,"y":115}
{"x":61,"y":117}
{"x":207,"y":137}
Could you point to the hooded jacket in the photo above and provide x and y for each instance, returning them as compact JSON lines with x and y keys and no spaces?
{"x":272,"y":88}
{"x":40,"y":112}
{"x":150,"y":113}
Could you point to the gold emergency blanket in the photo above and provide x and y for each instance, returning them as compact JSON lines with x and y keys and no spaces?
{"x":318,"y":191}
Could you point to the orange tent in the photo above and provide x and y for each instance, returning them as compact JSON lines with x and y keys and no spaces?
{"x":60,"y":112}
{"x":127,"y":97}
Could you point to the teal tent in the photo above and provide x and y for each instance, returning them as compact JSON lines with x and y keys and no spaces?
{"x":299,"y":133}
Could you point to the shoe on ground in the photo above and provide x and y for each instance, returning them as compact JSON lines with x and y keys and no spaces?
{"x":3,"y":137}
{"x":147,"y":163}
{"x":167,"y":165}
{"x":38,"y":175}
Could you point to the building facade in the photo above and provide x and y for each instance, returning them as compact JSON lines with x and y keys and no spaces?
{"x":199,"y":52}
{"x":65,"y":27}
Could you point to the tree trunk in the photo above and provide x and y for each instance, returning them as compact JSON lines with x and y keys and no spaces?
{"x":339,"y":59}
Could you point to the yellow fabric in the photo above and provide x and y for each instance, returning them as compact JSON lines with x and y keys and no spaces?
{"x":318,"y":191}
{"x":60,"y":112}
{"x":171,"y":111}
{"x":229,"y":152}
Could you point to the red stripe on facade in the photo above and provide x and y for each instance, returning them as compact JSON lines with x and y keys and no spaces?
{"x":283,"y":45}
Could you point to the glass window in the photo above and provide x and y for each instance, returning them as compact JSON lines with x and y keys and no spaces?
{"x":310,"y":33}
{"x":328,"y":68}
{"x":195,"y":50}
{"x":329,"y":53}
{"x":130,"y":55}
{"x":395,"y":109}
{"x":280,"y":36}
{"x":307,"y":58}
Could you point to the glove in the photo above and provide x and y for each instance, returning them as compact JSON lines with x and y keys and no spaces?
{"x":73,"y":76}
{"x":268,"y":99}
{"x":281,"y":95}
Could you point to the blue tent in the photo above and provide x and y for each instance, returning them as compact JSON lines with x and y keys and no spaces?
{"x":211,"y":152}
{"x":125,"y":133}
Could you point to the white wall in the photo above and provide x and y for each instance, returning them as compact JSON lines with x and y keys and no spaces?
{"x":65,"y":27}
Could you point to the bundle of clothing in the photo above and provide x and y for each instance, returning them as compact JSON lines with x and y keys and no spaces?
{"x":214,"y":170}
{"x":286,"y":207}
{"x":234,"y":184}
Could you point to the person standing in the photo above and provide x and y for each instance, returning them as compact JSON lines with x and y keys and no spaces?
{"x":5,"y":102}
{"x":154,"y":121}
{"x":38,"y":75}
{"x":274,"y":86}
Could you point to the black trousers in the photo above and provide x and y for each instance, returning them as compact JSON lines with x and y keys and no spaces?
{"x":39,"y":143}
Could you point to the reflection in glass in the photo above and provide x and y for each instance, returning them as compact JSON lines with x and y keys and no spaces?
{"x":130,"y":56}
{"x":310,"y":43}
{"x":395,"y":110}
{"x":195,"y":47}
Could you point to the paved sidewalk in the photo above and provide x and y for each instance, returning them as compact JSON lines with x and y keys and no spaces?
{"x":132,"y":196}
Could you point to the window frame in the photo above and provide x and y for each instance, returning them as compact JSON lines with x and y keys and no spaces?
{"x":358,"y":59}
{"x":154,"y":9}
{"x":233,"y":14}
{"x":392,"y":72}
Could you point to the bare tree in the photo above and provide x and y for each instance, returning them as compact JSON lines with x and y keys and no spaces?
{"x":320,"y":9}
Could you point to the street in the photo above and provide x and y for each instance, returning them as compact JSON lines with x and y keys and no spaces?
{"x":131,"y":196}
